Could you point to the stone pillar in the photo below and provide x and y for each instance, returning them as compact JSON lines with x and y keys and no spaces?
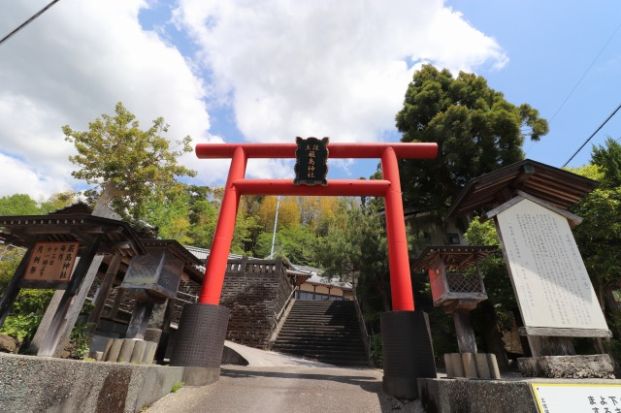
{"x":140,"y":319}
{"x":199,"y":342}
{"x":155,"y":324}
{"x":408,"y":352}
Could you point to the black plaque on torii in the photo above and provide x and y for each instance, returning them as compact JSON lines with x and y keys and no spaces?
{"x":311,"y":161}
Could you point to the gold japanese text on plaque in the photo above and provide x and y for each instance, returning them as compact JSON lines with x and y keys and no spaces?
{"x":52,"y":261}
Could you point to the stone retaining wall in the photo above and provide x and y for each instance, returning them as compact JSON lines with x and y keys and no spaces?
{"x":254,"y":291}
{"x":36,"y":384}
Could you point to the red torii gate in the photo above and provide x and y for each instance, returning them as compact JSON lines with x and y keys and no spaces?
{"x":202,"y":327}
{"x":389,"y":188}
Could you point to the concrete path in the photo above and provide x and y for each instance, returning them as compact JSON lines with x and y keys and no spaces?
{"x":287,"y":389}
{"x":263,"y":358}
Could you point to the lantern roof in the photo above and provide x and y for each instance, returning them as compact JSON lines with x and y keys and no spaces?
{"x":455,"y":257}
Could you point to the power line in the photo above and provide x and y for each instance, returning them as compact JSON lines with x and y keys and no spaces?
{"x":614,"y":112}
{"x":586,"y":71}
{"x":27,"y":22}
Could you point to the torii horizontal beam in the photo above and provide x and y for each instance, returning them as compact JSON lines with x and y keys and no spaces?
{"x":336,"y":150}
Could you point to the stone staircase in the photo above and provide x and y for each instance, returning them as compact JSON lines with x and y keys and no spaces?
{"x":327,"y":331}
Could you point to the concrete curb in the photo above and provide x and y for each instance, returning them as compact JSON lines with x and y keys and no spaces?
{"x":37,"y":384}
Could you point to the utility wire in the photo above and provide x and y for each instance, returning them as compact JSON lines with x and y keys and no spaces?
{"x":614,"y":112}
{"x":586,"y":71}
{"x":27,"y":22}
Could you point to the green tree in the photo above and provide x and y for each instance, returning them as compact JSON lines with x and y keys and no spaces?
{"x":608,"y":159}
{"x":203,"y":216}
{"x":599,"y":235}
{"x":18,"y":204}
{"x":133,"y":163}
{"x":169,"y":212}
{"x":476,"y":128}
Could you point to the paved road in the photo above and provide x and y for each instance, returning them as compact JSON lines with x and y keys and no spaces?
{"x":286,"y":390}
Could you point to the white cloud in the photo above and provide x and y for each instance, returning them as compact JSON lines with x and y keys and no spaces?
{"x":319,"y":68}
{"x":326,"y":68}
{"x":16,"y":177}
{"x":73,"y":64}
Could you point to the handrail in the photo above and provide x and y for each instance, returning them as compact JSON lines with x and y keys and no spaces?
{"x":279,"y":323}
{"x":363,"y":327}
{"x":282,"y":310}
{"x":186,"y":298}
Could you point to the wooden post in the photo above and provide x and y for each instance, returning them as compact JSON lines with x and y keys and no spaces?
{"x":465,"y":334}
{"x":104,"y":290}
{"x":160,"y":353}
{"x":50,"y":339}
{"x":118,"y":299}
{"x":13,"y":288}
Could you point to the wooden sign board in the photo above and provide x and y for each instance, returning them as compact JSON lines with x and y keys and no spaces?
{"x":577,"y":398}
{"x":311,"y":161}
{"x":553,"y":288}
{"x":51,"y":262}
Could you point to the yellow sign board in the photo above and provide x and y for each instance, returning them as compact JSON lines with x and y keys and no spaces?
{"x":52,"y":261}
{"x":577,"y":398}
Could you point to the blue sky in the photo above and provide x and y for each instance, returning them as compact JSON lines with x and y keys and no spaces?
{"x":550,"y":44}
{"x":550,"y":49}
{"x":270,"y":70}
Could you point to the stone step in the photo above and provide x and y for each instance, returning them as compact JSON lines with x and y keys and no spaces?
{"x":324,"y":331}
{"x":336,"y":359}
{"x":353,"y":349}
{"x":325,"y":322}
{"x":322,"y":315}
{"x":318,"y":327}
{"x":319,"y":334}
{"x":319,"y":339}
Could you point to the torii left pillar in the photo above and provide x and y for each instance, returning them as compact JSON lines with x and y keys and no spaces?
{"x":408,"y":353}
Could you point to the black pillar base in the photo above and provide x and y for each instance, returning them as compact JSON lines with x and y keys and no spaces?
{"x":199,"y":342}
{"x":408,"y":352}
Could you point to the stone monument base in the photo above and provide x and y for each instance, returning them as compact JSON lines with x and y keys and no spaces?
{"x":490,"y":396}
{"x":568,"y":367}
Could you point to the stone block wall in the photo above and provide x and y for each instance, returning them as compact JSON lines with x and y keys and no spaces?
{"x":255,"y":291}
{"x":37,"y":384}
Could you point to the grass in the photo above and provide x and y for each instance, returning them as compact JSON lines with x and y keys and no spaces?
{"x":176,"y":386}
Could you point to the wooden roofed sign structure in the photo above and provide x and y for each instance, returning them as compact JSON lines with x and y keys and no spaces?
{"x":52,"y":243}
{"x":529,"y":203}
{"x":558,"y":187}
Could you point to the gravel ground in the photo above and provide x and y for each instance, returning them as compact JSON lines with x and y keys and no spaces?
{"x":287,"y":389}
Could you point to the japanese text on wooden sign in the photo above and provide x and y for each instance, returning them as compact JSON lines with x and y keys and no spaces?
{"x":52,"y":261}
{"x":311,"y":165}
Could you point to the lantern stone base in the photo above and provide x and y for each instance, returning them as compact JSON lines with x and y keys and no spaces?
{"x":408,"y":352}
{"x":471,"y":365}
{"x":199,"y":342}
{"x":570,"y":367}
